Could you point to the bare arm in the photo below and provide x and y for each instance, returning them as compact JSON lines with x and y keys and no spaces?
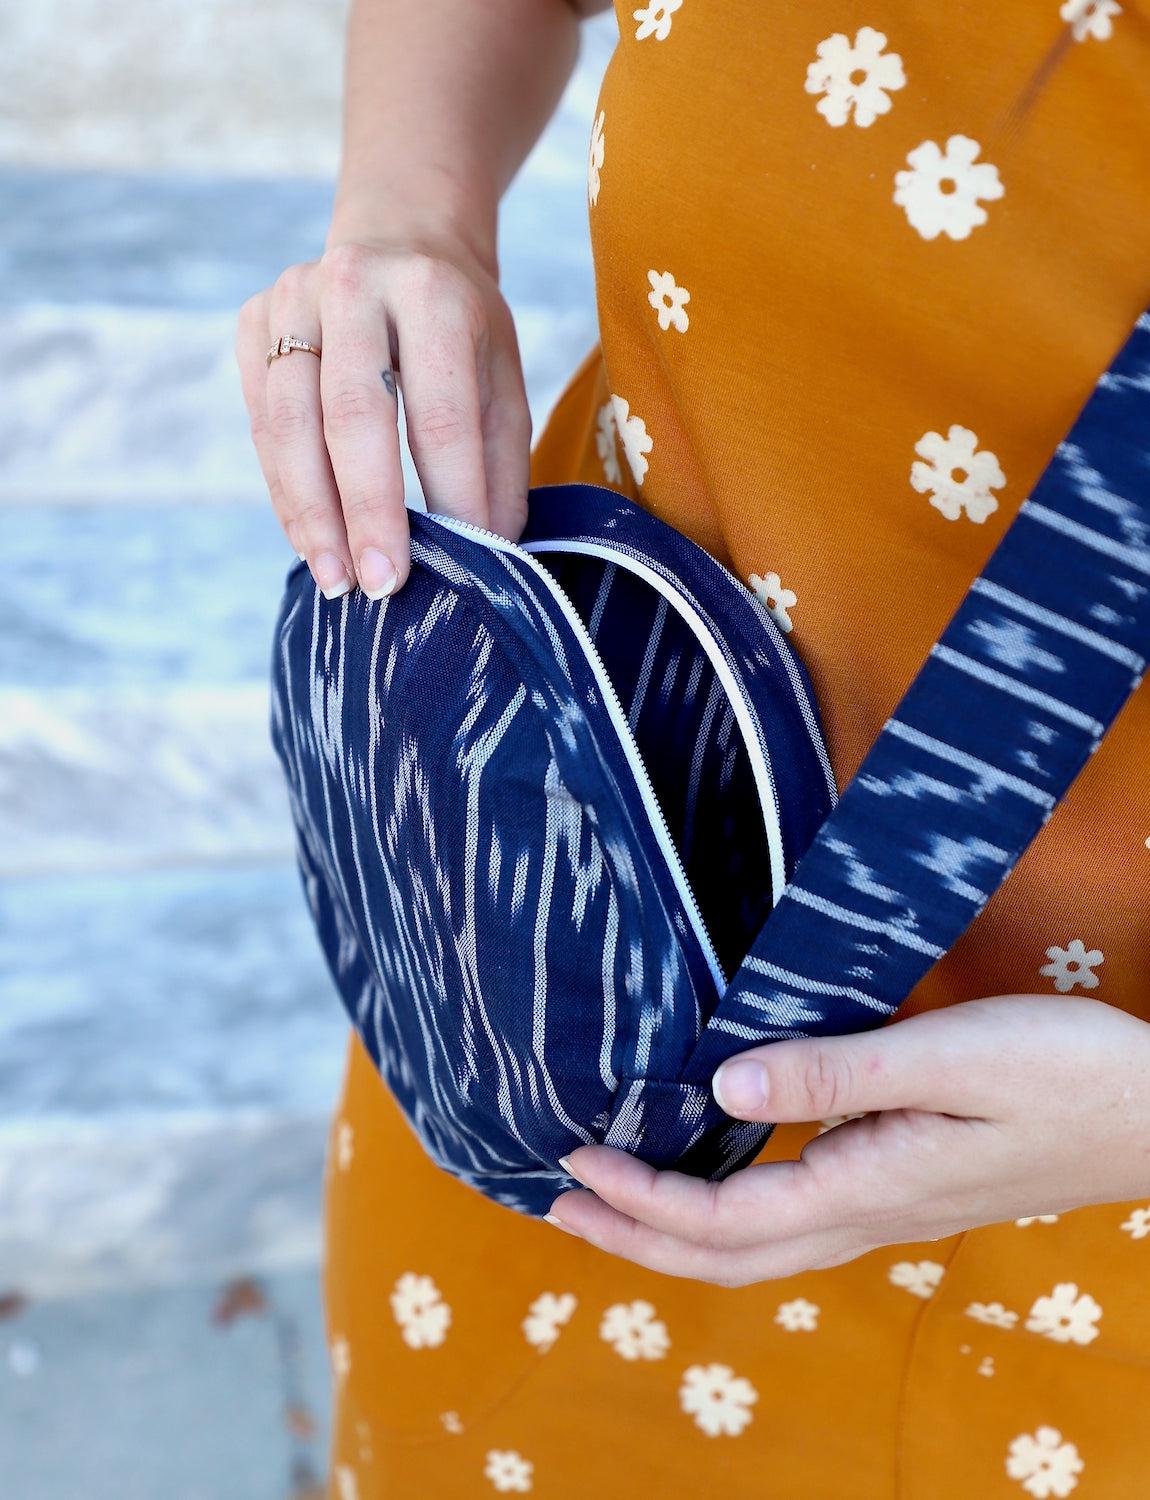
{"x":444,"y":100}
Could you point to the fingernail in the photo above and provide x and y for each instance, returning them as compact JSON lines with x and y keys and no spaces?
{"x":740,"y":1087}
{"x":331,"y":575}
{"x":559,"y":1224}
{"x":565,"y":1163}
{"x":377,"y":575}
{"x":302,"y":556}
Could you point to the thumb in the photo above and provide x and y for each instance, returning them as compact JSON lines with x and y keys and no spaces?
{"x":911,"y":1064}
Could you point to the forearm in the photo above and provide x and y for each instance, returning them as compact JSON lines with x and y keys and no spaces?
{"x":444,"y":99}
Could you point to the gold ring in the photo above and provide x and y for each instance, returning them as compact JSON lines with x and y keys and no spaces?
{"x":287,"y":344}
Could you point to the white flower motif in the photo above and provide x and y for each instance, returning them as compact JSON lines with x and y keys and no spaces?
{"x":507,"y":1470}
{"x":1073,"y":965}
{"x":833,"y":1120}
{"x":451,"y":1421}
{"x":1091,"y":18}
{"x":854,"y":76}
{"x":634,"y":437}
{"x":942,"y":189}
{"x":918,"y":1276}
{"x":655,"y":19}
{"x":420,"y":1311}
{"x":957,"y":474}
{"x":993,"y":1313}
{"x":545,"y":1317}
{"x":1065,"y":1316}
{"x":668,"y":300}
{"x":605,"y":444}
{"x":1137,"y":1226}
{"x":345,"y":1145}
{"x":595,"y":157}
{"x":770,"y":592}
{"x":1036,"y":1219}
{"x":798,"y":1316}
{"x":634,"y":1332}
{"x":717,"y":1398}
{"x":340,"y":1358}
{"x":987,"y":1365}
{"x":345,"y":1482}
{"x":1045,"y":1465}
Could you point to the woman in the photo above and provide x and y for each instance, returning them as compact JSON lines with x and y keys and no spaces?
{"x":857,"y":270}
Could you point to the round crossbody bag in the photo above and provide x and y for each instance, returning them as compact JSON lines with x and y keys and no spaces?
{"x":569,"y":833}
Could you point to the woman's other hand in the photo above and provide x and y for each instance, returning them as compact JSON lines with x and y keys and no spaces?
{"x":975,"y":1114}
{"x":428,"y":318}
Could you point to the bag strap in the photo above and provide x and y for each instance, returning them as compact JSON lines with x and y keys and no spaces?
{"x":1036,"y":663}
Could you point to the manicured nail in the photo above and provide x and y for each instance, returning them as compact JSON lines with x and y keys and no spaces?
{"x":302,"y":556}
{"x":331,"y":575}
{"x":565,"y":1163}
{"x":377,"y":575}
{"x":559,"y":1224}
{"x":740,"y":1087}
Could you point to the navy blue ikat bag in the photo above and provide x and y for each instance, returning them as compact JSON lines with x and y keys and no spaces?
{"x":569,"y":833}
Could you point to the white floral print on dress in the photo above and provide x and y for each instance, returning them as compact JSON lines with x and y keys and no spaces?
{"x":942,"y":192}
{"x":854,"y":77}
{"x":634,"y":1332}
{"x":545,"y":1317}
{"x":340,"y":1358}
{"x":595,"y":157}
{"x":668,"y":300}
{"x":798,"y":1316}
{"x":770,"y":592}
{"x":634,"y":436}
{"x":719,"y":1400}
{"x":1137,"y":1226}
{"x":1091,"y":18}
{"x":451,"y":1421}
{"x":345,"y":1146}
{"x":957,"y":474}
{"x":1047,"y":1467}
{"x":1074,"y":964}
{"x":655,"y":19}
{"x":420,"y":1311}
{"x":508,"y":1471}
{"x":345,"y":1483}
{"x":1066,"y":1316}
{"x":605,"y":443}
{"x":992,"y":1313}
{"x":918,"y":1276}
{"x":1036,"y":1219}
{"x":987,"y":1365}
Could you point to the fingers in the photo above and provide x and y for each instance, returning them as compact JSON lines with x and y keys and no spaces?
{"x":253,"y":339}
{"x":732,"y":1266}
{"x":773,"y":1201}
{"x":357,"y":386}
{"x":929,"y":1061}
{"x":506,"y":438}
{"x":326,"y":431}
{"x":295,"y":422}
{"x":439,"y":320}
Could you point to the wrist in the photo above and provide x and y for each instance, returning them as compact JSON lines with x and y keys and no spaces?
{"x":373,"y":219}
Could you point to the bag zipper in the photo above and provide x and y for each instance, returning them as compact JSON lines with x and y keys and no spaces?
{"x":654,"y":811}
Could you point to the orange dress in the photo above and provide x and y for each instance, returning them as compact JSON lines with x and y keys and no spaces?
{"x":857,"y":267}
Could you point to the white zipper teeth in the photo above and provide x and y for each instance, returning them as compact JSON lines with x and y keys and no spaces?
{"x":655,"y":814}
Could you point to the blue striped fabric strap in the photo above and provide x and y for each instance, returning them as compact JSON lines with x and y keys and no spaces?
{"x":1036,"y":663}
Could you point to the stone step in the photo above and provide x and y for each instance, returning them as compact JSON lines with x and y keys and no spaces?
{"x":170,"y":1051}
{"x":198,"y":1392}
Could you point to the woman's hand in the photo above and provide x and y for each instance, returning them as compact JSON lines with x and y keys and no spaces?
{"x":975,"y":1114}
{"x":429,"y":317}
